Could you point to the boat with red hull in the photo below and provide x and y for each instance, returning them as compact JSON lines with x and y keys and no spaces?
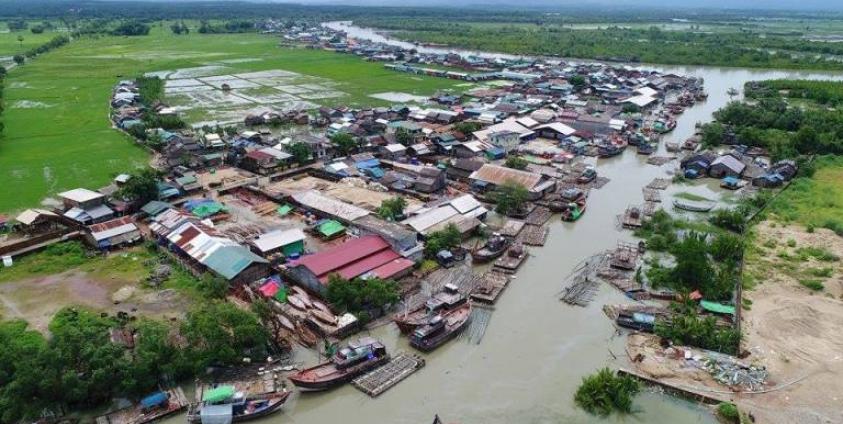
{"x":359,"y":357}
{"x":447,"y":299}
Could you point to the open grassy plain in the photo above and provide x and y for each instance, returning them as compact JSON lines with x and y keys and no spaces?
{"x":58,"y":135}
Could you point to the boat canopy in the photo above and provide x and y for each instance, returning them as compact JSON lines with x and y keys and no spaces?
{"x":216,"y":414}
{"x":153,"y":400}
{"x":717,"y":308}
{"x":219,"y":394}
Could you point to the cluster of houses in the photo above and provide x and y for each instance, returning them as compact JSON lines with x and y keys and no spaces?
{"x":738,"y":167}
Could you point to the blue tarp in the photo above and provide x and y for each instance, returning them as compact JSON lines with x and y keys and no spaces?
{"x":369,"y":163}
{"x":155,"y":399}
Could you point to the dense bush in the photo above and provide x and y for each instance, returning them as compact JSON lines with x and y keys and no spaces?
{"x":604,"y":392}
{"x":446,"y":238}
{"x":131,"y":28}
{"x":689,"y":329}
{"x":361,"y":297}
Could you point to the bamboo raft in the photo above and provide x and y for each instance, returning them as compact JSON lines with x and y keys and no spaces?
{"x":480,"y":316}
{"x":650,"y":208}
{"x":651,"y":195}
{"x":624,"y":257}
{"x":511,"y":228}
{"x":539,"y":216}
{"x":633,"y":218}
{"x":582,"y":285}
{"x":659,"y":184}
{"x":659,"y":160}
{"x":489,"y":287}
{"x":385,"y":377}
{"x":534,"y":235}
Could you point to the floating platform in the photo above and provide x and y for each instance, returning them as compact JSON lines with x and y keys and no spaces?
{"x":534,"y":235}
{"x":136,"y":415}
{"x":633,"y":218}
{"x":539,"y":216}
{"x":489,"y":287}
{"x":651,"y":195}
{"x":659,"y":184}
{"x":385,"y":377}
{"x":510,"y":262}
{"x":659,"y":160}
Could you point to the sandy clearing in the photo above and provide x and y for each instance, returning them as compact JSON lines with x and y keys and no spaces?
{"x":37,"y":299}
{"x":796,"y":334}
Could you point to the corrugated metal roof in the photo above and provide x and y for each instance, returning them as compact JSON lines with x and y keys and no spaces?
{"x":328,"y":205}
{"x":392,"y":268}
{"x":498,"y":175}
{"x":364,"y":265}
{"x":113,"y":228}
{"x":279,"y":238}
{"x":80,"y":195}
{"x":326,"y":261}
{"x":429,"y":218}
{"x":466,"y":203}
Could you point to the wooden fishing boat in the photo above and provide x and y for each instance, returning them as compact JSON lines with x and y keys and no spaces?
{"x":672,"y":147}
{"x":322,"y":307}
{"x":296,"y":302}
{"x":587,"y":176}
{"x":492,"y":249}
{"x":286,"y":323}
{"x":306,"y":335}
{"x":151,"y":408}
{"x":693,"y":206}
{"x":446,"y":300}
{"x":235,"y":407}
{"x":575,"y":210}
{"x":646,"y":149}
{"x":441,"y":328}
{"x":637,"y":321}
{"x":326,"y":317}
{"x":360,"y":356}
{"x":609,"y":150}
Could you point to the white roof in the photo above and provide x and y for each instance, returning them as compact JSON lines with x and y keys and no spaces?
{"x":527,"y":121}
{"x":646,"y":91}
{"x":617,"y":124}
{"x":431,"y":217}
{"x":277,"y":154}
{"x":80,"y":195}
{"x":466,"y":203}
{"x":475,"y":146}
{"x":640,"y":101}
{"x":278,"y":238}
{"x":558,"y":127}
{"x":510,"y":124}
{"x":314,"y":200}
{"x":395,"y":148}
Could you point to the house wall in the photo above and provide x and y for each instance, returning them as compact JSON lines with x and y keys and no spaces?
{"x":254,"y":272}
{"x":303,"y":276}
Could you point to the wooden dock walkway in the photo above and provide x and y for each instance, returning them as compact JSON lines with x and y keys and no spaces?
{"x":539,"y":216}
{"x":489,"y":287}
{"x":651,"y":195}
{"x":659,"y":184}
{"x":383,"y":378}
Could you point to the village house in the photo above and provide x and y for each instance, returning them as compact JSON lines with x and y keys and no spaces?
{"x":288,"y":242}
{"x":85,"y":206}
{"x":366,"y":256}
{"x":114,"y":233}
{"x":489,"y":177}
{"x":461,"y":169}
{"x":726,"y":166}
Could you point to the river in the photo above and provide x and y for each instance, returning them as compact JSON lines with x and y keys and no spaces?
{"x":536,"y":349}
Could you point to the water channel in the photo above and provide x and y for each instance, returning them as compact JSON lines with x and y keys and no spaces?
{"x":536,"y":349}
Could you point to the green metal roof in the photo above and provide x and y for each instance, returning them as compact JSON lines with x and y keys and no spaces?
{"x":155,"y":207}
{"x":331,"y":228}
{"x":228,"y":261}
{"x":284,"y":210}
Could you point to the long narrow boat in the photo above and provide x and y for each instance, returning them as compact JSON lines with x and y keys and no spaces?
{"x":359,"y":357}
{"x":441,"y":328}
{"x":447,"y":299}
{"x":693,"y":206}
{"x":151,"y":408}
{"x":224,"y":404}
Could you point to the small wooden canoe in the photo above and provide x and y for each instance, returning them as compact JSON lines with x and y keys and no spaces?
{"x":296,"y":302}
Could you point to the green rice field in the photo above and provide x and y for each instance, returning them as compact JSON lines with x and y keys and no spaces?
{"x":58,"y":135}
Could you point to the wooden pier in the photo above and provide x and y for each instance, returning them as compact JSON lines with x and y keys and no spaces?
{"x":633,"y":218}
{"x":511,"y":260}
{"x":511,"y":228}
{"x":137,"y":415}
{"x":659,"y":160}
{"x":534,"y":235}
{"x":383,"y":378}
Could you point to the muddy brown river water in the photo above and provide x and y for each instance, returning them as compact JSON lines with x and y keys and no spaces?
{"x":536,"y":349}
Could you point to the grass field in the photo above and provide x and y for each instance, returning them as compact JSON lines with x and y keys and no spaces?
{"x":816,"y":201}
{"x":58,"y":135}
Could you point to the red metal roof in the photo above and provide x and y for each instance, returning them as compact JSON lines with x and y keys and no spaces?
{"x":358,"y":268}
{"x":98,"y":228}
{"x":331,"y":260}
{"x":393,"y":267}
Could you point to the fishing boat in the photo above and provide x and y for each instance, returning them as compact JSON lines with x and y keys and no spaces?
{"x":296,"y":302}
{"x":693,"y":206}
{"x":225,"y":404}
{"x":637,"y":321}
{"x":447,"y":299}
{"x":325,"y":317}
{"x":492,"y":249}
{"x":152,"y":407}
{"x":587,"y":176}
{"x":672,"y":146}
{"x":441,"y":328}
{"x":360,"y":356}
{"x":306,"y":335}
{"x":646,"y":149}
{"x":609,"y":150}
{"x":732,"y":183}
{"x":663,"y":125}
{"x":575,"y":207}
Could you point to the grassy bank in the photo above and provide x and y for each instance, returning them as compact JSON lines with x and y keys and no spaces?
{"x":58,"y":135}
{"x":816,"y":201}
